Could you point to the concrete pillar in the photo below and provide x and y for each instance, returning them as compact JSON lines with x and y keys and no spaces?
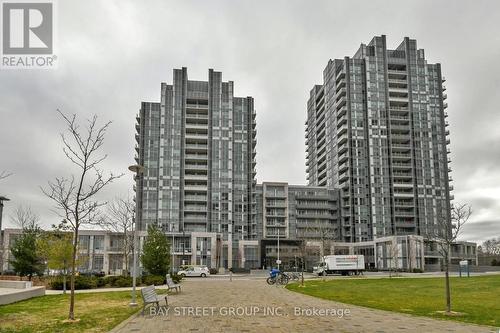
{"x":105,"y":255}
{"x":230,"y":250}
{"x":193,"y":249}
{"x":213,"y":251}
{"x":91,"y":252}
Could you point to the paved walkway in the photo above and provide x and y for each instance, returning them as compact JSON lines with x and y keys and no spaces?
{"x":210,"y":305}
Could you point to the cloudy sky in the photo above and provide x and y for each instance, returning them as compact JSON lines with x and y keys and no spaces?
{"x":114,"y":54}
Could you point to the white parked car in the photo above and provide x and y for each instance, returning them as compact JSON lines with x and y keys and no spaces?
{"x":202,"y":271}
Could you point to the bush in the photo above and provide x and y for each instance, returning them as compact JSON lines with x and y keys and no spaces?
{"x":123,"y":281}
{"x":81,"y":282}
{"x":156,"y":280}
{"x":213,"y":271}
{"x":100,"y":282}
{"x":418,"y":270}
{"x":109,"y":280}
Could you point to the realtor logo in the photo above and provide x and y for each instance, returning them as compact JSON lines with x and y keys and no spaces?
{"x":28,"y":34}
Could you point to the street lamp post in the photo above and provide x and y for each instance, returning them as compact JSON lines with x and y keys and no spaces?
{"x":278,"y":261}
{"x":137,"y":169}
{"x":2,"y":199}
{"x":172,"y":265}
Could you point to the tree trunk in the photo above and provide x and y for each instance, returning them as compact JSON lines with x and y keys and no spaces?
{"x":447,"y":278}
{"x":71,"y":314}
{"x":302,"y":275}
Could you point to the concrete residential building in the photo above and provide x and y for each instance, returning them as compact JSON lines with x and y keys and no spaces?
{"x":198,"y":149}
{"x":295,"y":214}
{"x":376,"y":129}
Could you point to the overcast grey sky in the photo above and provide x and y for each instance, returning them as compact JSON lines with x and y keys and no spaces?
{"x":114,"y":54}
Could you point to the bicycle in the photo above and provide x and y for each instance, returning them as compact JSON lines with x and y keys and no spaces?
{"x":293,"y":276}
{"x":277,"y":277}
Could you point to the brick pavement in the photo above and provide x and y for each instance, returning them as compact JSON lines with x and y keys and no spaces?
{"x":259,"y":307}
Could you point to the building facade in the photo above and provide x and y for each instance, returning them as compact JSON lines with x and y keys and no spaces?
{"x":102,"y":251}
{"x":298,"y":220}
{"x":197,"y":146}
{"x":376,"y":129}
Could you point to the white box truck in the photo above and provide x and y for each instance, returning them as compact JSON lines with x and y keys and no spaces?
{"x":341,"y":264}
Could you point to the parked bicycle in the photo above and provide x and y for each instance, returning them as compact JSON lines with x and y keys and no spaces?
{"x":292,"y":276}
{"x":277,"y":277}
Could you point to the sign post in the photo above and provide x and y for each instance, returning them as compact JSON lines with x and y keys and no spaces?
{"x":464,"y":264}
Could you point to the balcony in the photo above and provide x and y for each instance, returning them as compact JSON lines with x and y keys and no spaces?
{"x":189,"y":176}
{"x":400,"y":165}
{"x":343,"y":138}
{"x":398,"y":98}
{"x":398,"y":75}
{"x":195,"y":208}
{"x":340,"y":92}
{"x":342,"y":148}
{"x":343,"y":157}
{"x":197,"y":128}
{"x":196,"y":116}
{"x":342,"y":129}
{"x":341,"y":120}
{"x":400,"y":174}
{"x":195,"y":198}
{"x":404,"y":194}
{"x":196,"y":147}
{"x":196,"y":136}
{"x":340,"y":102}
{"x":194,"y":157}
{"x":196,"y":167}
{"x":341,"y":112}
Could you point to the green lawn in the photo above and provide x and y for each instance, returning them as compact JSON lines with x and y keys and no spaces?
{"x":98,"y":312}
{"x":477,"y":298}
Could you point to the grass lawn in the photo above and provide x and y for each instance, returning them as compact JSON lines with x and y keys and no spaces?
{"x":98,"y":312}
{"x":477,"y":298}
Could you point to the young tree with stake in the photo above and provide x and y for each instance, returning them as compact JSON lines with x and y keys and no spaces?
{"x":446,"y":233}
{"x":75,"y":196}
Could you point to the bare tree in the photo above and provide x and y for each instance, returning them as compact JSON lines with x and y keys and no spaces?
{"x":5,"y":174}
{"x":120,"y":219}
{"x":445,"y":233}
{"x":490,"y":246}
{"x":25,"y":218}
{"x":322,"y":231}
{"x":74,"y":196}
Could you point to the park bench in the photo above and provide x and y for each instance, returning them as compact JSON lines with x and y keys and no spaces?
{"x":150,"y":297}
{"x":172,"y":285}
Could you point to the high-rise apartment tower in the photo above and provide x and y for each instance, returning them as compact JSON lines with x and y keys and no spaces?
{"x":377,"y":130}
{"x":198,"y":149}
